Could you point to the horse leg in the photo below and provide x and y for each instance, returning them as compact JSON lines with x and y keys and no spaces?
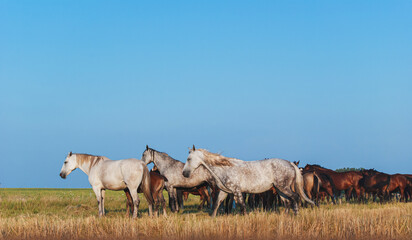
{"x":358,"y":194}
{"x":136,"y":201}
{"x":331,"y":195}
{"x":207,"y":196}
{"x":202,"y":198}
{"x":172,"y":204}
{"x":229,"y":203}
{"x":155,"y":196}
{"x":129,"y":203}
{"x":179,"y":199}
{"x":215,"y":193}
{"x":103,"y":196}
{"x":293,"y":197}
{"x":348,"y":194}
{"x":162,"y":202}
{"x":239,"y":200}
{"x":222,"y":196}
{"x":402,"y":192}
{"x":250,"y":200}
{"x":309,"y":195}
{"x":286,"y":203}
{"x":97,"y":192}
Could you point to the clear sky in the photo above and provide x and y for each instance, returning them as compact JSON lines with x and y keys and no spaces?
{"x":326,"y":82}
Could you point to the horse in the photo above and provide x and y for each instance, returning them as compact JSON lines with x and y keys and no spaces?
{"x":340,"y":180}
{"x":374,"y":182}
{"x":157,"y":183}
{"x":312,"y":183}
{"x":399,"y":183}
{"x":179,"y":192}
{"x":113,"y":175}
{"x":383,"y":184}
{"x":199,"y":191}
{"x":408,"y":190}
{"x":172,"y":170}
{"x":237,"y":176}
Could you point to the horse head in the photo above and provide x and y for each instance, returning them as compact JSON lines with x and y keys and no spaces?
{"x":69,"y":165}
{"x":308,"y":167}
{"x":194,"y":160}
{"x":369,"y":172}
{"x":148,"y":155}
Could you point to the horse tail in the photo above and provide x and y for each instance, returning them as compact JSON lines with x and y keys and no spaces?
{"x":318,"y":182}
{"x":146,"y":189}
{"x":299,"y":185}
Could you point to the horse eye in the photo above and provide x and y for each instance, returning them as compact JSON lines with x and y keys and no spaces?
{"x":65,"y":162}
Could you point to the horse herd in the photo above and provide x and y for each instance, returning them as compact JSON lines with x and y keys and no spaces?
{"x":268,"y":182}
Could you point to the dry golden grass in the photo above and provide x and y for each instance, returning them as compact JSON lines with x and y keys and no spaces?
{"x":28,"y":214}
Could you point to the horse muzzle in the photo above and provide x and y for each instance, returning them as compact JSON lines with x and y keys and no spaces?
{"x":186,"y":173}
{"x":62,"y":175}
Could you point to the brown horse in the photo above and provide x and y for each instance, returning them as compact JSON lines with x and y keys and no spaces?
{"x":408,"y":190}
{"x":199,"y":191}
{"x":157,"y":183}
{"x":312,"y":183}
{"x":341,"y":180}
{"x":399,"y":183}
{"x":374,"y":183}
{"x":382,"y":184}
{"x":183,"y":193}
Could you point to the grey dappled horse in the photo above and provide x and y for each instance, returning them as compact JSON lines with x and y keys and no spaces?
{"x":113,"y":175}
{"x":237,"y":176}
{"x":172,"y":170}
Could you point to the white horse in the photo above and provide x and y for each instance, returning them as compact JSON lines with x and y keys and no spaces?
{"x":113,"y":175}
{"x":237,"y":176}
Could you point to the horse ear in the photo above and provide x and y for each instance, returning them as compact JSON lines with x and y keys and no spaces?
{"x":194,"y":149}
{"x":147,"y":147}
{"x":297,"y":163}
{"x":70,"y":154}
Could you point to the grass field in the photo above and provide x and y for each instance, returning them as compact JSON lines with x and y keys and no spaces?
{"x":72,"y":214}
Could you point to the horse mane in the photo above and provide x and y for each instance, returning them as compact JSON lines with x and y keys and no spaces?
{"x":372,"y":170}
{"x":92,"y":159}
{"x":163,"y":154}
{"x":316,"y":165}
{"x":215,"y":159}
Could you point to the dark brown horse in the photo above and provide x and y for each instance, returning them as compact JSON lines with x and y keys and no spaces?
{"x":383,"y":185}
{"x":157,"y":183}
{"x":374,"y":183}
{"x":341,"y":181}
{"x":199,"y":191}
{"x":408,"y":190}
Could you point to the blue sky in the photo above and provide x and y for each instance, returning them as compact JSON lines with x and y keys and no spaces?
{"x":326,"y":82}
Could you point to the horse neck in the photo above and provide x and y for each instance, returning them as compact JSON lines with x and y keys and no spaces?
{"x":87,"y":162}
{"x":162,"y":161}
{"x":323,"y":169}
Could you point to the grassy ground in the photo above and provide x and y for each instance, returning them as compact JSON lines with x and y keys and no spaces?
{"x":72,"y":213}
